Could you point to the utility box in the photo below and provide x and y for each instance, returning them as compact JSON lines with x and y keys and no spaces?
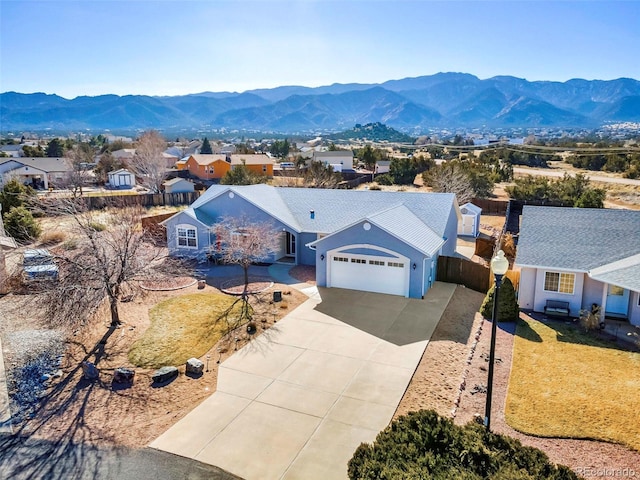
{"x":277,"y":296}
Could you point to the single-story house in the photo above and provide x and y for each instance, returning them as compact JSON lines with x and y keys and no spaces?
{"x":121,"y":178}
{"x":124,"y":154}
{"x":470,"y":224}
{"x":386,"y":242}
{"x":581,"y":256}
{"x":38,"y":172}
{"x":215,"y":166}
{"x":178,"y":185}
{"x":11,"y":151}
{"x":339,"y":159}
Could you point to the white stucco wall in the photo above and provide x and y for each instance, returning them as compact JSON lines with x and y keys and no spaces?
{"x":541,"y":296}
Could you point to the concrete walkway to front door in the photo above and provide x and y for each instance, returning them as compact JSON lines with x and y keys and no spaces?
{"x":298,"y":400}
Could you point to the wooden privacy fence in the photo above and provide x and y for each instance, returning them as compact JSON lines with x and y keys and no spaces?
{"x":464,"y":272}
{"x":145,"y":199}
{"x":491,"y":207}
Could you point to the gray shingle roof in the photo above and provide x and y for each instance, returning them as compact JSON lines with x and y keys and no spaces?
{"x":579,"y":239}
{"x":336,"y":209}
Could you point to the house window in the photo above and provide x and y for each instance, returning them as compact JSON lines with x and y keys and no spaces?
{"x":358,"y":260}
{"x":395,"y":264}
{"x":376,"y":262}
{"x":187,"y":236}
{"x":340,"y":259}
{"x":616,"y":291}
{"x":559,"y":282}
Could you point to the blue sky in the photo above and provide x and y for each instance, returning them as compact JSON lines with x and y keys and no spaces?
{"x":89,"y":47}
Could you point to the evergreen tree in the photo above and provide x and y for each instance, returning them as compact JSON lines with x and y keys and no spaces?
{"x":241,"y":175}
{"x":206,"y":147}
{"x":20,"y":224}
{"x":508,"y":310}
{"x":55,"y":148}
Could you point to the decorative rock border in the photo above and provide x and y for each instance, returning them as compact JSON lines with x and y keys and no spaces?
{"x":463,"y":383}
{"x":169,"y":289}
{"x":230,"y":286}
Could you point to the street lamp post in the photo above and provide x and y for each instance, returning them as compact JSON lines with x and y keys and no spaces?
{"x":499,"y":265}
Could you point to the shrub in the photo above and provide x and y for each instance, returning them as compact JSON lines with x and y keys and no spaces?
{"x":508,"y":310}
{"x":20,"y":224}
{"x":590,"y":319}
{"x":97,"y":226}
{"x":426,"y":446}
{"x":375,"y":187}
{"x":385,"y":179}
{"x":508,"y":246}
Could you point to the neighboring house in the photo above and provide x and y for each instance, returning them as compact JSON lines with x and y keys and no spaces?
{"x":39,"y":172}
{"x":383,"y":166}
{"x":121,"y":179}
{"x":386,"y":242}
{"x":11,"y":151}
{"x":340,"y":160}
{"x":582,"y":256}
{"x":470,"y":224}
{"x":124,"y":154}
{"x":215,"y":166}
{"x":178,"y":185}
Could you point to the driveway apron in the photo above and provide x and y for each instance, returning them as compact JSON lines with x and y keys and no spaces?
{"x":298,"y":400}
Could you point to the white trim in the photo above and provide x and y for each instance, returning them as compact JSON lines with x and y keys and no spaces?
{"x":187,"y":228}
{"x":544,"y":282}
{"x":395,"y":257}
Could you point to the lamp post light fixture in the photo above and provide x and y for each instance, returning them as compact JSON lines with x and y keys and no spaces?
{"x":499,"y":265}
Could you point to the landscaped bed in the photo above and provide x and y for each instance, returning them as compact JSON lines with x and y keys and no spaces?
{"x":566,"y":383}
{"x":183,"y":327}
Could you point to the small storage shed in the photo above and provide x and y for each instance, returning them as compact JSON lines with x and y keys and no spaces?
{"x":470,"y":224}
{"x":122,"y":178}
{"x":178,"y":185}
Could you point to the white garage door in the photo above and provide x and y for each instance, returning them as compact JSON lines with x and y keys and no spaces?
{"x":369,"y":273}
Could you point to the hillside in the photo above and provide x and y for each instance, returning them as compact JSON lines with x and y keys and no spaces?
{"x":411,"y":104}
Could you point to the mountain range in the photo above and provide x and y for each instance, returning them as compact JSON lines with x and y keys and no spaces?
{"x":412,"y":105}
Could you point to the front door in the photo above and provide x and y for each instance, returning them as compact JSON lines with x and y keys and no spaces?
{"x":290,"y":245}
{"x":617,"y":301}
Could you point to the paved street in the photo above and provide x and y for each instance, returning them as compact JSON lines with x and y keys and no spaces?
{"x":40,"y":459}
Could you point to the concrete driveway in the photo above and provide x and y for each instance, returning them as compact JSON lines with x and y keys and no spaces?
{"x":298,"y":400}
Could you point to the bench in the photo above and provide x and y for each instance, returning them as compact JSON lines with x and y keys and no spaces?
{"x":557,"y":307}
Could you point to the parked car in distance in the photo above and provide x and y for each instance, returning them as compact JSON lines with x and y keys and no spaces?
{"x":38,"y":264}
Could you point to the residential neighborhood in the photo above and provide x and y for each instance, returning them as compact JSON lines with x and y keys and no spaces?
{"x":319,"y":240}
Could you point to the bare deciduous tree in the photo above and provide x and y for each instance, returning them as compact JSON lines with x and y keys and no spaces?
{"x":319,"y":175}
{"x":450,"y":178}
{"x":110,"y":258}
{"x":243,"y":242}
{"x":148,"y":163}
{"x":79,"y":175}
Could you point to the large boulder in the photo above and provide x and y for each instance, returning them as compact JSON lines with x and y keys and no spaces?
{"x":194,"y":366}
{"x":164,"y":374}
{"x":123,"y":375}
{"x":90,"y":371}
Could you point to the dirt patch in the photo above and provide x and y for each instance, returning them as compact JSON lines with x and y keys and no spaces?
{"x":304,"y":273}
{"x":437,"y":379}
{"x":101,"y":412}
